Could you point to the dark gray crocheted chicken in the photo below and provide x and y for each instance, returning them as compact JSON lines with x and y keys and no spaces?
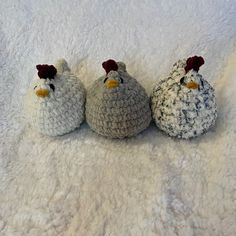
{"x":183,"y":105}
{"x":117,"y":105}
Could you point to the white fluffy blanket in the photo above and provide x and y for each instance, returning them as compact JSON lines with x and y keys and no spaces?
{"x":84,"y":184}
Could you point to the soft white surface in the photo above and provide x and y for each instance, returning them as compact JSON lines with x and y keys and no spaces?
{"x":84,"y":184}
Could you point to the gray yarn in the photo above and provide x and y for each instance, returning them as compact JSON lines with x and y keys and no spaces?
{"x":119,"y":112}
{"x":180,"y":111}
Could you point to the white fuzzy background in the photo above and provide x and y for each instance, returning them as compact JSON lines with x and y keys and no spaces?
{"x":86,"y":185}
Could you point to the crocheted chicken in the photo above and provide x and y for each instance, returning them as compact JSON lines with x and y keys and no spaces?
{"x":55,"y":100}
{"x":184,"y":105}
{"x":117,"y":106}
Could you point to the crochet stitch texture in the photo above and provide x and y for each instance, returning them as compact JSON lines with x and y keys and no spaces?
{"x":63,"y":109}
{"x":183,"y":104}
{"x":119,"y":111}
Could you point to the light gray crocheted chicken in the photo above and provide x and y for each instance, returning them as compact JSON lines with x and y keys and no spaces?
{"x":117,"y":106}
{"x":183,"y":105}
{"x":55,"y":101}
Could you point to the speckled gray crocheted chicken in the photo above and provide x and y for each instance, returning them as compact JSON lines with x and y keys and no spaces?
{"x":117,"y":106}
{"x":183,"y":105}
{"x":55,"y":100}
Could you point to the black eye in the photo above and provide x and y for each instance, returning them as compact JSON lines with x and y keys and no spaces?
{"x":121,"y":80}
{"x":52,"y":87}
{"x":35,"y":87}
{"x":182,"y":80}
{"x":105,"y":80}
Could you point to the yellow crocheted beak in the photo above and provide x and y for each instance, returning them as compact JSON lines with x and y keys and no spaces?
{"x":42,"y":93}
{"x":192,"y":85}
{"x":112,"y":83}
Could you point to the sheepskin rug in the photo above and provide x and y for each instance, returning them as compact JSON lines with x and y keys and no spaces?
{"x":82,"y":184}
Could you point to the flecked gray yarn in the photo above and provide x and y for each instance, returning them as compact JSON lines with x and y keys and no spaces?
{"x":119,"y":112}
{"x":180,"y":111}
{"x":63,"y":109}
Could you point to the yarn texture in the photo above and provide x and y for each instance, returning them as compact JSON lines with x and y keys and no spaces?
{"x":183,"y":104}
{"x":117,"y":106}
{"x":55,"y":106}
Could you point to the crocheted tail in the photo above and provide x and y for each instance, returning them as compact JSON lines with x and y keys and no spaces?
{"x":62,"y":66}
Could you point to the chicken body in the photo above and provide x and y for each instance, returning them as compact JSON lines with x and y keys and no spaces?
{"x":56,"y":106}
{"x":183,"y":104}
{"x":117,"y":106}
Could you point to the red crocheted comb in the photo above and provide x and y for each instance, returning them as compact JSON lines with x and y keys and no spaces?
{"x":109,"y":65}
{"x":46,"y":71}
{"x":194,"y":63}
